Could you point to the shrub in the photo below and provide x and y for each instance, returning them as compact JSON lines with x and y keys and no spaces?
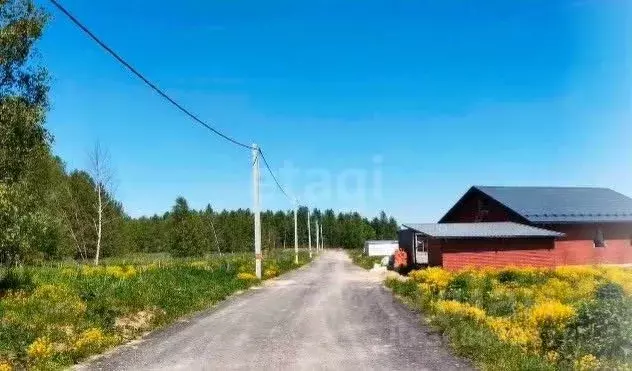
{"x":527,"y":318}
{"x":609,"y":291}
{"x":16,"y":279}
{"x":603,"y":328}
{"x":459,"y":289}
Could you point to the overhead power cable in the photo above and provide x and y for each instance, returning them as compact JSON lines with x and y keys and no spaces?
{"x":154,"y":87}
{"x":142,"y":77}
{"x":273,"y":176}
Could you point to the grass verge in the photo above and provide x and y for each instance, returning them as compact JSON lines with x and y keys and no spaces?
{"x":359,"y":258}
{"x":569,"y":318}
{"x":53,"y":317}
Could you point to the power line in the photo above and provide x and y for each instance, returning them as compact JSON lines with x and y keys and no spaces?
{"x":154,"y":87}
{"x":143,"y":78}
{"x":273,"y":176}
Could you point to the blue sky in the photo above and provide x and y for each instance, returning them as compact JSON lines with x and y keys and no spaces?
{"x":393,"y":105}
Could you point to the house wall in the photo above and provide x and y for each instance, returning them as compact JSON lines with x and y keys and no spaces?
{"x":578,"y":248}
{"x":461,"y":253}
{"x":435,"y":255}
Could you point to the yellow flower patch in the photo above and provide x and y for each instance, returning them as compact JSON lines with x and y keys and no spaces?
{"x":92,"y":341}
{"x":270,"y":273}
{"x":246,"y":276}
{"x":117,"y":271}
{"x":436,"y":278}
{"x":550,"y":313}
{"x":453,"y":307}
{"x":587,"y":363}
{"x":514,"y":333}
{"x":40,"y":349}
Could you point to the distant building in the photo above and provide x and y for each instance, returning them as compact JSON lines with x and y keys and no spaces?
{"x":380,"y":247}
{"x":526,"y":226}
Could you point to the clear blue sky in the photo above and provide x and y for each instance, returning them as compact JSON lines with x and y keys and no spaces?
{"x":444,"y":94}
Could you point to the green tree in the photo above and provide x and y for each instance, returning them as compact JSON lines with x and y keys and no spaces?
{"x":23,"y":138}
{"x":185,"y":229}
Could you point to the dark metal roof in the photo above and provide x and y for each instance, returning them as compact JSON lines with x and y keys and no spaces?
{"x":563,"y":204}
{"x":481,"y":230}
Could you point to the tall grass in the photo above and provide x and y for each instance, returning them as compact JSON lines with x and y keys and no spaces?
{"x":52,"y":317}
{"x":360,"y":258}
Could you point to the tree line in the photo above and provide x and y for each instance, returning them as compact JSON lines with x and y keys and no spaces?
{"x":49,"y":212}
{"x":184,"y":231}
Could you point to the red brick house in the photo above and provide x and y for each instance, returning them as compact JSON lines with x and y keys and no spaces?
{"x":533,"y":226}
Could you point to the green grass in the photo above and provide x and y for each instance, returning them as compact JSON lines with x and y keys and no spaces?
{"x":56,"y":316}
{"x":359,"y":258}
{"x":468,"y":338}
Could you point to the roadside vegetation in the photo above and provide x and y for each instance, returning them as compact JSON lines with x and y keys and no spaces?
{"x":52,"y":317}
{"x":360,"y":258}
{"x":576,"y":318}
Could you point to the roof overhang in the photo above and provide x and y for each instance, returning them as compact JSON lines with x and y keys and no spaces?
{"x":482,"y":230}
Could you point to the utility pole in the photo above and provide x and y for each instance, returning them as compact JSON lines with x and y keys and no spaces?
{"x":295,"y":232}
{"x":317,"y":237}
{"x":309,"y":234}
{"x":256,"y":208}
{"x":322,"y":238}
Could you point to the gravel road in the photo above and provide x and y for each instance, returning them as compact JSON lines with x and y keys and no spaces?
{"x":331,"y":315}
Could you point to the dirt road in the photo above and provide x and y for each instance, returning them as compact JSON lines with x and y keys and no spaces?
{"x":331,"y":315}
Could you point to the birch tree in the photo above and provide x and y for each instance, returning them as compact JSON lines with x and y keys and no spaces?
{"x":102,"y":176}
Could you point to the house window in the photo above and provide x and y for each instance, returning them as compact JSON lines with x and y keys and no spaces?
{"x":420,"y":244}
{"x":599,"y":240}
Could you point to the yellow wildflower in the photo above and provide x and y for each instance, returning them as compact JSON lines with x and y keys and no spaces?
{"x":270,"y":273}
{"x":246,"y":276}
{"x":514,"y":333}
{"x":120,"y":272}
{"x":550,"y":313}
{"x":576,"y":273}
{"x":455,"y":308}
{"x":437,"y":278}
{"x":91,"y":340}
{"x":586,"y":363}
{"x":620,"y":276}
{"x":424,"y":288}
{"x":552,"y":356}
{"x":40,"y":349}
{"x":5,"y":366}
